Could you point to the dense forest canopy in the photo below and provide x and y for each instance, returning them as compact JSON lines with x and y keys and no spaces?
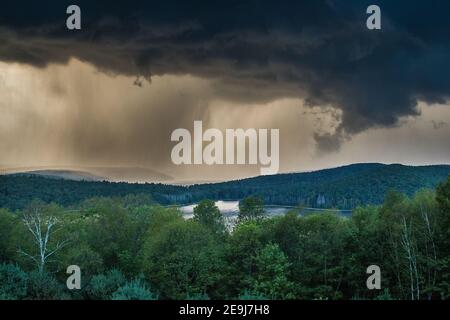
{"x":129,"y":248}
{"x":343,"y":188}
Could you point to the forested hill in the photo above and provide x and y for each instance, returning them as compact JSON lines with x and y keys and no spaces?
{"x":343,"y":187}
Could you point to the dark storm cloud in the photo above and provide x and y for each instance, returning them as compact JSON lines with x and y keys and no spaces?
{"x":255,"y":50}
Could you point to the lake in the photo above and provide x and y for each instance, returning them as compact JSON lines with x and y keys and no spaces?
{"x":230,"y":209}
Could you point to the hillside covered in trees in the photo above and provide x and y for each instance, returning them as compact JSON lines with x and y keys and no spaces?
{"x":344,"y":188}
{"x":129,"y":250}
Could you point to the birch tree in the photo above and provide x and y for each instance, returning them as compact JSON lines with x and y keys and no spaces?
{"x":410,"y":250}
{"x":42,"y":229}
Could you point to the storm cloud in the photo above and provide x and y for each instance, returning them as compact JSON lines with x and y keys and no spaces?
{"x":255,"y":51}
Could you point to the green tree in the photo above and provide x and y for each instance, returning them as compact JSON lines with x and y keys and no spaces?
{"x":109,"y":229}
{"x":7,"y":223}
{"x":286,"y":232}
{"x":102,"y":286}
{"x":209,"y":215}
{"x":272,"y":272}
{"x":44,"y":286}
{"x":85,"y":257}
{"x":251,"y":208}
{"x":365,"y":245}
{"x":320,"y":265}
{"x":443,"y":200}
{"x":134,"y":290}
{"x":13,"y":282}
{"x":241,"y":251}
{"x":249,"y":295}
{"x":443,"y":196}
{"x":182,"y":259}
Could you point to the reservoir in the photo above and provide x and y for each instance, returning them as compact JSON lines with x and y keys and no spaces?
{"x":230,"y":209}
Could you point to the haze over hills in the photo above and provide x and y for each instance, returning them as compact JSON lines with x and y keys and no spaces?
{"x":65,"y":174}
{"x":344,"y":187}
{"x":112,"y":174}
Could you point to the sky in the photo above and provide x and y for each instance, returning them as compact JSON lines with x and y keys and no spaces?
{"x":111,"y":93}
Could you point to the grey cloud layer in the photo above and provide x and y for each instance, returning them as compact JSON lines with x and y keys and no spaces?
{"x":257,"y":51}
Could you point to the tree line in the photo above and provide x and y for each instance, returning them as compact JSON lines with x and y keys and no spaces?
{"x":342,"y":188}
{"x":132,"y":248}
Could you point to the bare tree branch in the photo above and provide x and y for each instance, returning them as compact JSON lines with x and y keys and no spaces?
{"x":42,"y":230}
